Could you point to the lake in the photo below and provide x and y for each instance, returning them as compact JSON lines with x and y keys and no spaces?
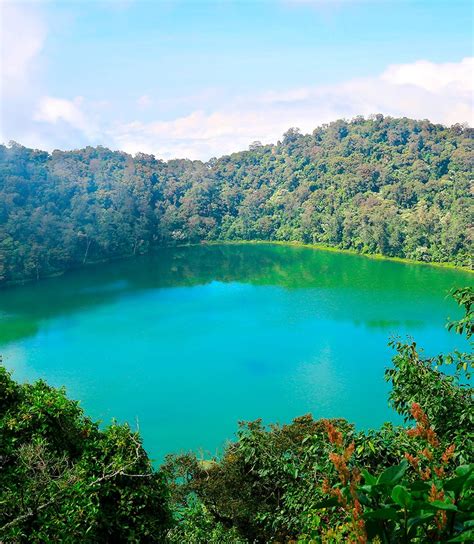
{"x":189,"y":341}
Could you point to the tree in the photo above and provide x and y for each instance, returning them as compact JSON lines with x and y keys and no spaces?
{"x":64,"y":479}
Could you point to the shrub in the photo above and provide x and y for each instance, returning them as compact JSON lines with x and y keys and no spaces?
{"x":63,"y":479}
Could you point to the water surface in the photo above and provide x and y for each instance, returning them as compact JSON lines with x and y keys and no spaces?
{"x":191,"y":340}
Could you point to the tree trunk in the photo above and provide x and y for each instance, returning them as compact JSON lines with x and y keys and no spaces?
{"x":87,"y":251}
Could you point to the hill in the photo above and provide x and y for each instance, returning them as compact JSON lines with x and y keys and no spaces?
{"x":396,"y":187}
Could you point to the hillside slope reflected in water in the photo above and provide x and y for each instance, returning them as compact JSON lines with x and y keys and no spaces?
{"x":191,"y":340}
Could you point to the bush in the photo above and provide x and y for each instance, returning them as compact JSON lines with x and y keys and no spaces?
{"x":63,"y":479}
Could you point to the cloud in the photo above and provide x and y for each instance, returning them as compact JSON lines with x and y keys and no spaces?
{"x":440,"y":92}
{"x":22,"y":37}
{"x":197,"y":135}
{"x":456,"y":77}
{"x":23,"y":34}
{"x":54,"y":110}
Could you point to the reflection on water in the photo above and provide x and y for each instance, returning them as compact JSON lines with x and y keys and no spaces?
{"x":371,"y":283}
{"x":192,"y":340}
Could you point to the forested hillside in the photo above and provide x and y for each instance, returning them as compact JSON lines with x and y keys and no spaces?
{"x":397,"y":187}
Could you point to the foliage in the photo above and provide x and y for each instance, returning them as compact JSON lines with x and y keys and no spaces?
{"x":465,"y":325}
{"x":195,"y":524}
{"x":63,"y":479}
{"x":264,"y":483}
{"x":446,"y":398}
{"x":396,"y":187}
{"x":399,"y":507}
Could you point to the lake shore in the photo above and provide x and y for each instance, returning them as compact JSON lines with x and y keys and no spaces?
{"x":319,"y":247}
{"x":332,"y":249}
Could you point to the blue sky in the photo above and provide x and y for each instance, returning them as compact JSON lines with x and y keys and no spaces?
{"x":199,"y":79}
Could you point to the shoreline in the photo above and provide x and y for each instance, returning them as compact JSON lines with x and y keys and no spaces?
{"x":332,"y":249}
{"x":318,"y":247}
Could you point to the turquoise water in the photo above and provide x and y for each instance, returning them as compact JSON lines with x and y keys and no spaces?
{"x":192,"y":340}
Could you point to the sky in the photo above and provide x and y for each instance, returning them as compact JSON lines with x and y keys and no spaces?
{"x":199,"y":79}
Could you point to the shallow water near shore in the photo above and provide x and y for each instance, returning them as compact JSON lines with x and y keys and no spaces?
{"x":189,"y":341}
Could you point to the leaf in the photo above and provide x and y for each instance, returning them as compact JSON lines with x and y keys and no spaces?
{"x":375,"y":528}
{"x":327,"y":503}
{"x":441,"y":505}
{"x":382,"y":513}
{"x":455,"y":484}
{"x":413,"y":522}
{"x":364,"y":499}
{"x":366,"y":489}
{"x":464,"y":470}
{"x":419,"y":486}
{"x":401,"y":496}
{"x":466,"y":536}
{"x":369,"y":479}
{"x":394,"y":474}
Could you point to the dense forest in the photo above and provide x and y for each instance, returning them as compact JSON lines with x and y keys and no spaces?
{"x":396,"y":187}
{"x":65,"y":479}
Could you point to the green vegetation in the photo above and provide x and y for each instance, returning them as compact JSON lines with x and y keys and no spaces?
{"x":395,"y":187}
{"x":63,"y":479}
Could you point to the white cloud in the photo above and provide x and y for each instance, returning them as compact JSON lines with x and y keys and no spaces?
{"x":54,"y":110}
{"x":214,"y":123}
{"x":22,"y":37}
{"x":440,"y":92}
{"x":198,"y":135}
{"x":456,"y":77}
